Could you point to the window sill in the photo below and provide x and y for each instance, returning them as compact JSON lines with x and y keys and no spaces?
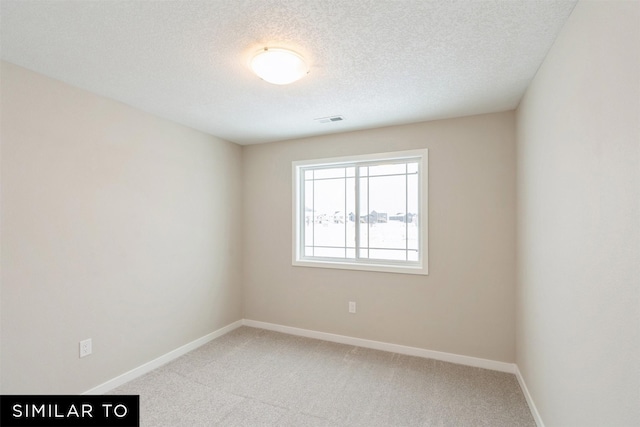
{"x":378,"y":267}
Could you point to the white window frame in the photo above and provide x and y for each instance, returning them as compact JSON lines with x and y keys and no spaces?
{"x":419,"y":267}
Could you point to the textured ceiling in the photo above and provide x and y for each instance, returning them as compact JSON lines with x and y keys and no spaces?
{"x":375,"y":62}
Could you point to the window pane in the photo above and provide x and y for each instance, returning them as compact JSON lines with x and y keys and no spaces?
{"x":308,"y":213}
{"x":392,"y":169}
{"x":387,"y":194}
{"x":363,"y":225}
{"x":329,"y":208}
{"x":387,"y":254}
{"x":308,"y":174}
{"x":413,"y":240}
{"x":412,"y":256}
{"x":412,"y":167}
{"x":350,"y":216}
{"x":329,"y":173}
{"x":329,"y":252}
{"x":412,"y":204}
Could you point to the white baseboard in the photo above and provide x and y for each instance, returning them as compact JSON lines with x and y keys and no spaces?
{"x":394,"y":348}
{"x":341,"y":339}
{"x":527,"y":395}
{"x":164,"y":359}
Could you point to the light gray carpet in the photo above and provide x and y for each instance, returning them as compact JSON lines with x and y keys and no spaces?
{"x":253,"y":377}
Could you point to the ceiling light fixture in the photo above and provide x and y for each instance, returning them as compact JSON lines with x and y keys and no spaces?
{"x":279,"y":66}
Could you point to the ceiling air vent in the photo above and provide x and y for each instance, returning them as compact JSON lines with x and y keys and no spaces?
{"x":329,"y":119}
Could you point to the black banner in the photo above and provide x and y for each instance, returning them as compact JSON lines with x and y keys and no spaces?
{"x":69,"y":411}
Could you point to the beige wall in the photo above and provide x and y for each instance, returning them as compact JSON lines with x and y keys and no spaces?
{"x":466,"y":303}
{"x":116,"y":226}
{"x":578,"y":344}
{"x":126,"y":228}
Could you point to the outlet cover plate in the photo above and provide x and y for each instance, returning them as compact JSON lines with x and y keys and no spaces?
{"x":85,"y":347}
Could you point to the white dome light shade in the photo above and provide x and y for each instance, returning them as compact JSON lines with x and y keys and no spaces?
{"x":279,"y":66}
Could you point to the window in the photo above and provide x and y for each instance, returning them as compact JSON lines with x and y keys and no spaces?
{"x":363,"y":212}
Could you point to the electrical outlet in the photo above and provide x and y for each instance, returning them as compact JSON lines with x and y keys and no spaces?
{"x":352,"y":306}
{"x":85,"y":347}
